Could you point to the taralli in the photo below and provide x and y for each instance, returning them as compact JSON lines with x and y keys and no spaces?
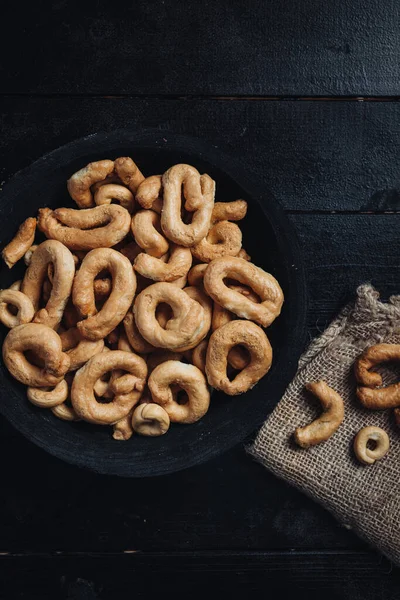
{"x":100,"y":227}
{"x":223,"y":239}
{"x":82,"y":394}
{"x":199,"y":355}
{"x":46,"y":344}
{"x":146,"y":229}
{"x":100,"y":323}
{"x":79,"y":183}
{"x":65,"y":412}
{"x":177,"y":266}
{"x":222,"y":341}
{"x":199,"y":296}
{"x":21,"y":243}
{"x":48,"y":398}
{"x":135,"y":338}
{"x":377,"y":399}
{"x":112,"y":191}
{"x":149,"y":193}
{"x":325,"y":426}
{"x":196,"y":274}
{"x":229,"y":211}
{"x":78,"y":348}
{"x":123,"y":430}
{"x":22,"y":304}
{"x":261,"y":282}
{"x":55,"y":253}
{"x":198,"y":191}
{"x":150,"y":419}
{"x":128,"y":172}
{"x":190,"y":379}
{"x":375,"y":435}
{"x":181,"y":330}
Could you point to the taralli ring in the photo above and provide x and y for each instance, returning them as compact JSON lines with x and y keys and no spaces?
{"x":64,"y":412}
{"x":187,"y":377}
{"x":149,"y":193}
{"x":82,"y":393}
{"x":146,"y":229}
{"x":261,"y":282}
{"x":99,"y":324}
{"x":21,"y":243}
{"x":79,"y":183}
{"x":21,"y":302}
{"x":380,"y":441}
{"x":78,"y":348}
{"x":377,"y":399}
{"x":48,"y":398}
{"x":150,"y":419}
{"x":128,"y":172}
{"x":223,"y":239}
{"x":112,"y":191}
{"x":177,"y":266}
{"x":43,"y":342}
{"x":325,"y":426}
{"x":222,"y":341}
{"x":229,"y":211}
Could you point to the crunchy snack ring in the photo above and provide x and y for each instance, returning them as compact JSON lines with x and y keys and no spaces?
{"x":196,"y":274}
{"x":128,"y":172}
{"x":100,"y":227}
{"x":181,"y":330}
{"x":149,"y":193}
{"x":177,"y":266}
{"x":199,"y":296}
{"x":82,"y":392}
{"x":20,"y":243}
{"x":135,"y":338}
{"x":79,"y":183}
{"x":261,"y":282}
{"x":368,"y":456}
{"x":324,"y":427}
{"x":146,"y":228}
{"x":222,"y":341}
{"x":45,"y":398}
{"x":198,"y":191}
{"x":188,"y":378}
{"x":229,"y":211}
{"x":377,"y":399}
{"x":99,"y":324}
{"x":20,"y":302}
{"x":64,"y":412}
{"x":199,"y":355}
{"x":223,"y":239}
{"x":49,"y":252}
{"x":78,"y":348}
{"x":108,"y":192}
{"x":150,"y":419}
{"x":46,"y":344}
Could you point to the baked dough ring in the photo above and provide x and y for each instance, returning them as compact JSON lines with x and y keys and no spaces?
{"x":43,"y":342}
{"x":177,"y":266}
{"x":229,"y":211}
{"x":198,"y":191}
{"x":223,"y":239}
{"x":369,"y":456}
{"x":21,"y":302}
{"x":129,"y":173}
{"x":199,"y":296}
{"x":235,"y":333}
{"x":48,"y":398}
{"x":181,"y":329}
{"x":99,"y":324}
{"x":261,"y":282}
{"x":55,"y":253}
{"x":149,"y":193}
{"x":106,"y":193}
{"x":377,"y":399}
{"x":188,"y":378}
{"x":21,"y":243}
{"x":78,"y":348}
{"x":82,"y":394}
{"x":100,"y":227}
{"x":79,"y":183}
{"x":150,"y":419}
{"x":146,"y":228}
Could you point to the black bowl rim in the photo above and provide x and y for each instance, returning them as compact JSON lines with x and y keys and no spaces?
{"x":288,"y":246}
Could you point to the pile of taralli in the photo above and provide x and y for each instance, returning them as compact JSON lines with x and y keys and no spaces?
{"x":371,"y":443}
{"x":137,"y":302}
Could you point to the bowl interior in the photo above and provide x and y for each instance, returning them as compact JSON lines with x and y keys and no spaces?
{"x":267,"y":237}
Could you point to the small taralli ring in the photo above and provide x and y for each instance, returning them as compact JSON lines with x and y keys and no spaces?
{"x":45,"y":398}
{"x":157,"y":269}
{"x":229,"y":211}
{"x":105,"y":194}
{"x":64,"y":412}
{"x":128,"y":172}
{"x":79,"y":349}
{"x":25,"y":309}
{"x":149,"y":193}
{"x":377,"y":399}
{"x":146,"y":229}
{"x":150,"y":419}
{"x":376,"y":435}
{"x":223,"y":239}
{"x":21,"y":243}
{"x":79,"y":183}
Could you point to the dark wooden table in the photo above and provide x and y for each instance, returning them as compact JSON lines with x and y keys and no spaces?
{"x":306,"y":95}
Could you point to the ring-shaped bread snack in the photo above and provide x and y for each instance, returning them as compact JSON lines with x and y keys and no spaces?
{"x":21,"y":303}
{"x":199,"y":356}
{"x":64,"y":412}
{"x":261,"y":282}
{"x":45,"y":398}
{"x":223,"y":239}
{"x":201,"y":297}
{"x":79,"y":183}
{"x":108,"y":192}
{"x":45,"y":343}
{"x":188,"y":378}
{"x":181,"y":329}
{"x":243,"y":333}
{"x":198,"y":192}
{"x":99,"y":324}
{"x":177,"y":265}
{"x":229,"y":211}
{"x":100,"y":227}
{"x":377,"y":399}
{"x":79,"y":349}
{"x":376,"y":435}
{"x":128,"y":172}
{"x":82,"y":393}
{"x":149,"y":193}
{"x":21,"y":242}
{"x":55,"y":253}
{"x":150,"y":419}
{"x":146,"y":229}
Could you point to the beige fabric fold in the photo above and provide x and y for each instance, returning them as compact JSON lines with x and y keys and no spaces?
{"x":366,"y":498}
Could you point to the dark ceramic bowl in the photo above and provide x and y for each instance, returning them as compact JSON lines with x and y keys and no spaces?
{"x":267,"y":236}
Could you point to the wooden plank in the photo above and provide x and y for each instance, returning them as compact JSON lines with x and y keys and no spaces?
{"x":322,"y":156}
{"x":220,"y":48}
{"x":311,"y":575}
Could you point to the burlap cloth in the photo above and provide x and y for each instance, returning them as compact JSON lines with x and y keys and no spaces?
{"x":365,"y":498}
